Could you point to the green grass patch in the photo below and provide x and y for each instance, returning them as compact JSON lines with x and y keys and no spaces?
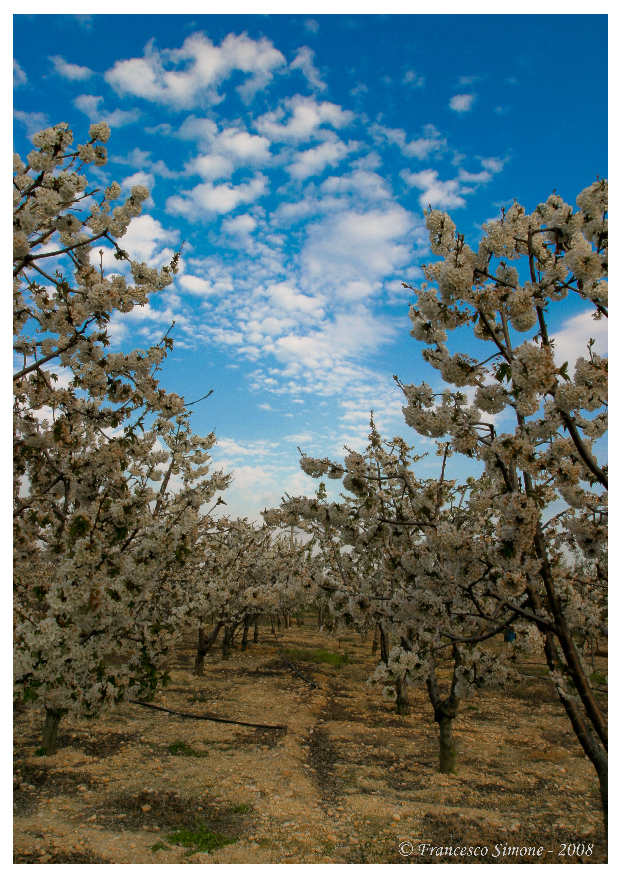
{"x":42,"y":750}
{"x":181,"y":748}
{"x":317,"y":656}
{"x":159,"y":846}
{"x":599,"y":678}
{"x":200,"y":839}
{"x":241,"y":808}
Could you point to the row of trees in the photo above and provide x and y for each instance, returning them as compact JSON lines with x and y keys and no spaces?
{"x":116,"y":544}
{"x":446,"y":568}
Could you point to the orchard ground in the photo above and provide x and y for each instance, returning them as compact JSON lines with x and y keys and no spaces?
{"x":348,"y":781}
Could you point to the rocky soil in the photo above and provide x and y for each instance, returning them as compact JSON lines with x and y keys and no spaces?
{"x":347,"y":781}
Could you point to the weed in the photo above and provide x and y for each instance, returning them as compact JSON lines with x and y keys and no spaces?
{"x":318,"y":656}
{"x":241,"y":808}
{"x":181,"y":748}
{"x":42,"y":750}
{"x":201,"y":838}
{"x":159,"y":846}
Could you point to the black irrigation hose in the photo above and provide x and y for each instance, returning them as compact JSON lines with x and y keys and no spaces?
{"x":292,"y":666}
{"x":207,"y":718}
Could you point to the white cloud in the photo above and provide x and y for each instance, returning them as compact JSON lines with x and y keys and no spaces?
{"x":311,"y":162}
{"x":493,"y":165}
{"x":572,"y":338}
{"x":361,"y":183}
{"x":420,"y":148}
{"x":354,"y":245}
{"x":462,"y":103}
{"x":89,"y":105}
{"x":285,"y":297}
{"x":210,"y":167}
{"x":311,"y":25}
{"x":140,"y":178}
{"x":358,"y":88}
{"x":194,"y":128}
{"x":196,"y":285}
{"x":241,"y":225}
{"x":449,"y":193}
{"x":410,"y":78}
{"x":247,"y":449}
{"x":299,"y":438}
{"x":141,"y":159}
{"x":304,"y":119}
{"x":244,"y":147}
{"x":206,"y":199}
{"x":19,"y":77}
{"x":304,"y":61}
{"x":200,"y":68}
{"x":73,"y":72}
{"x":322,"y":356}
{"x":222,"y":150}
{"x":480,"y":177}
{"x":146,"y":240}
{"x":438,"y":193}
{"x":34,"y":122}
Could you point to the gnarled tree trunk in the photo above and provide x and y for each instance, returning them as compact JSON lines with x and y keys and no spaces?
{"x":229,"y":632}
{"x":402,"y":701}
{"x":385,"y":645}
{"x":50,"y":729}
{"x":377,"y":639}
{"x":246,"y":629}
{"x":204,"y":644}
{"x":445,"y":712}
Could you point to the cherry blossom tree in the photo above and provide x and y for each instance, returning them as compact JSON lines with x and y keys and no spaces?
{"x":96,"y":545}
{"x":531,"y":422}
{"x":406,"y":553}
{"x":247,"y":571}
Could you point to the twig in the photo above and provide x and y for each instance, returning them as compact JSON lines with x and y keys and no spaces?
{"x":164,"y":709}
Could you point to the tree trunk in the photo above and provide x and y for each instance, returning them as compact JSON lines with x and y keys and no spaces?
{"x":50,"y":729}
{"x":204,"y":644}
{"x":385,"y":645}
{"x":596,"y":751}
{"x":199,"y":663}
{"x":299,"y":621}
{"x":376,"y":640}
{"x":246,"y":627}
{"x":447,"y":746}
{"x":320,"y":617}
{"x":445,"y":712}
{"x":229,"y":632}
{"x":256,"y":624}
{"x":402,"y":701}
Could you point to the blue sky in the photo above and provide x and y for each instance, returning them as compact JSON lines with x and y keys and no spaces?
{"x":293,"y":154}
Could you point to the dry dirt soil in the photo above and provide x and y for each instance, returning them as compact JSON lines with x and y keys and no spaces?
{"x":347,"y":781}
